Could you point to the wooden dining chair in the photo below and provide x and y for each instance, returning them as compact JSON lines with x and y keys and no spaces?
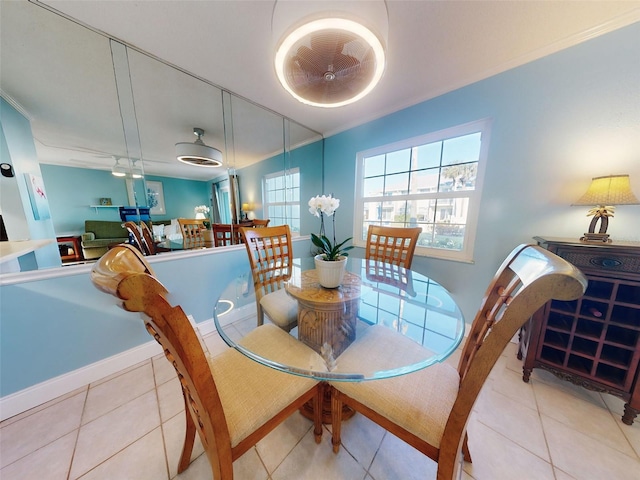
{"x":271,"y":259}
{"x":147,"y":236}
{"x":393,"y":245}
{"x":429,"y":409}
{"x":258,"y":223}
{"x":230,"y":400}
{"x":192,"y":232}
{"x":136,"y":237}
{"x":226,"y":234}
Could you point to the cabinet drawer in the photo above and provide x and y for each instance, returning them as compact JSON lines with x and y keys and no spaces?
{"x":600,"y":260}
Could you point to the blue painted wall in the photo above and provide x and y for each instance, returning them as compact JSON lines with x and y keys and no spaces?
{"x":308,"y":159}
{"x":557,"y":122}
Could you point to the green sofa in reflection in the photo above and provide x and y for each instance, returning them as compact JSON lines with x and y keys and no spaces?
{"x":99,"y":234}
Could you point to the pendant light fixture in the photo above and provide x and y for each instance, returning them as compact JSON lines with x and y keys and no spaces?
{"x":118,"y":170}
{"x":197,"y":153}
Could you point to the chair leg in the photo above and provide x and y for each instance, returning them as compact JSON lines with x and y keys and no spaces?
{"x":260,"y":315}
{"x":465,"y":448}
{"x":189,"y":438}
{"x":336,"y":418}
{"x":317,"y":411}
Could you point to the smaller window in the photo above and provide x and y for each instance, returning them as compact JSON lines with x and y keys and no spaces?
{"x":281,"y":192}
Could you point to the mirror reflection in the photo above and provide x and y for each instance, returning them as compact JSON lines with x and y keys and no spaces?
{"x":97,"y":108}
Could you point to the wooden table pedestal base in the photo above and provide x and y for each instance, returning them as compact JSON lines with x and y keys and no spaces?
{"x":307,"y":409}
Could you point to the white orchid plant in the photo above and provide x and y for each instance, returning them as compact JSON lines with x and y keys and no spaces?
{"x":202,"y":209}
{"x":322,"y":205}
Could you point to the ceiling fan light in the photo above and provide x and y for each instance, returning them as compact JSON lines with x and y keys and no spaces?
{"x":197,"y":153}
{"x":311,"y":76}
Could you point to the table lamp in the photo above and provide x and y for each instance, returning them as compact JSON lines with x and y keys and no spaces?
{"x":247,"y":208}
{"x":604,"y":192}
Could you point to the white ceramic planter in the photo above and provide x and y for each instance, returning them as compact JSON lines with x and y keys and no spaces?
{"x":330,"y":274}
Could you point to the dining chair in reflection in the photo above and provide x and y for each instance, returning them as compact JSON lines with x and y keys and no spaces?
{"x":230,"y":400}
{"x":390,"y":274}
{"x":271,"y":259}
{"x":429,"y":409}
{"x":258,"y":223}
{"x":393,"y":245}
{"x":192,"y":232}
{"x":226,"y":234}
{"x":147,"y":237}
{"x":136,"y":237}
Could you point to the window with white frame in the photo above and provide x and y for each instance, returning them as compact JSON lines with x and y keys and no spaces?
{"x":433,"y":181}
{"x":281,"y":193}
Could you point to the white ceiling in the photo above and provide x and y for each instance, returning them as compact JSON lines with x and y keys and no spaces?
{"x":433,"y":47}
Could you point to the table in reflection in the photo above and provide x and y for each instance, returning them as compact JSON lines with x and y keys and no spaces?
{"x":375,"y":299}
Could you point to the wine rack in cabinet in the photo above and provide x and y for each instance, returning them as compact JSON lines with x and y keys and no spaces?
{"x":594,"y":341}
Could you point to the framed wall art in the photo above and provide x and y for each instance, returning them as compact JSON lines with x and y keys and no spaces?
{"x":38,"y":197}
{"x":155,"y":198}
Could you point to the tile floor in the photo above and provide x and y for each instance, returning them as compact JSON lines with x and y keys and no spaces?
{"x":130,"y":426}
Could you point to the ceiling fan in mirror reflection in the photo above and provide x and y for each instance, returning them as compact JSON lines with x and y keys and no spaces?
{"x":197,"y":153}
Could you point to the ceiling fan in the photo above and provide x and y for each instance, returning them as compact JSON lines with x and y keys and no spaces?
{"x":330,"y":62}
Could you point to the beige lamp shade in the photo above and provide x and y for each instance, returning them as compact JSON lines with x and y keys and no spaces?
{"x":609,"y":190}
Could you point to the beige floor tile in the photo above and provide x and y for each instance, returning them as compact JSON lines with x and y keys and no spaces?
{"x":52,"y":461}
{"x":250,"y":467}
{"x":215,"y":344}
{"x":512,"y":419}
{"x":510,"y":384}
{"x":31,"y":411}
{"x":32,"y":432}
{"x":584,"y":457}
{"x":362,"y":438}
{"x":278,"y":444}
{"x":199,"y":469}
{"x":310,"y":461}
{"x":496,"y":457}
{"x":542,"y":376}
{"x":170,"y":399}
{"x":173,"y":431}
{"x":107,"y":396}
{"x":110,"y":433}
{"x":163,"y":371}
{"x":584,"y":416}
{"x":560,"y":475}
{"x":117,"y":374}
{"x":631,"y":433}
{"x":142,"y":460}
{"x":397,"y":459}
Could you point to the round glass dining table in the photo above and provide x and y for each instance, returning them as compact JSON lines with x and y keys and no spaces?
{"x":374,"y":302}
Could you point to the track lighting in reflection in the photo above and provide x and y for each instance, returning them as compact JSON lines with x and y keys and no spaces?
{"x":136,"y":172}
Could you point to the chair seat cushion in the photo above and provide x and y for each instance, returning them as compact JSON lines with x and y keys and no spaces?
{"x":280,"y":308}
{"x":251,"y":393}
{"x":419,"y":402}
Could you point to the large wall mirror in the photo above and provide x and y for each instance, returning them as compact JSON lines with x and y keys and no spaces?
{"x":94,"y":103}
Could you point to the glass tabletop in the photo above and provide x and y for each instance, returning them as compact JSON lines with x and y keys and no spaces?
{"x":375,"y":303}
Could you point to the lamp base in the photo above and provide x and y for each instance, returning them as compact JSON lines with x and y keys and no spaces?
{"x":596,"y":238}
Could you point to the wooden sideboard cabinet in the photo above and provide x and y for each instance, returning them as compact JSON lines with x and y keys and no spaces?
{"x":594,"y":341}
